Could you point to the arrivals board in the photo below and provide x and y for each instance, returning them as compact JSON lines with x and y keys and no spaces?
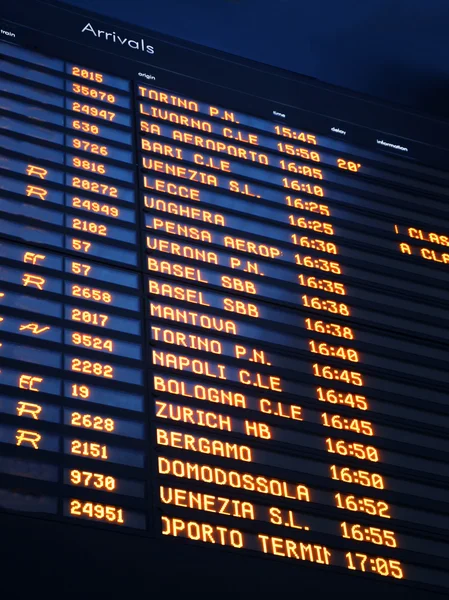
{"x":223,"y":303}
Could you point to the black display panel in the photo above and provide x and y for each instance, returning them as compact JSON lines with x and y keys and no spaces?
{"x":223,"y":309}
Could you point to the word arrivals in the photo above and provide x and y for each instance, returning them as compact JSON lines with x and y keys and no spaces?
{"x":108,"y":35}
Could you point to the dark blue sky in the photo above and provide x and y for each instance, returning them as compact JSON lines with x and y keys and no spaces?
{"x":394,"y":49}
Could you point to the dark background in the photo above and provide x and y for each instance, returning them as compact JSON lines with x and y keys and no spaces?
{"x":397,"y":50}
{"x":48,"y":560}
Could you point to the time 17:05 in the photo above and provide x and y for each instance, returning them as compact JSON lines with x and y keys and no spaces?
{"x":369,"y":564}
